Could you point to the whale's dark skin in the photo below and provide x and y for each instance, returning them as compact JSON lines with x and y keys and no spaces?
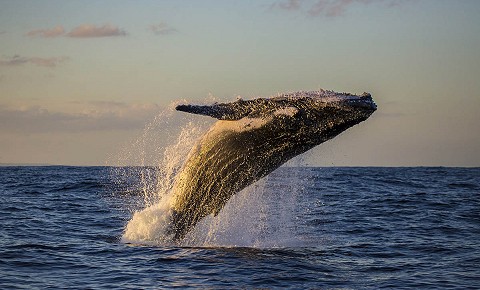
{"x":253,"y":138}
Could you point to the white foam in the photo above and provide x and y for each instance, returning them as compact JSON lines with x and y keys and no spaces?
{"x":149,"y":226}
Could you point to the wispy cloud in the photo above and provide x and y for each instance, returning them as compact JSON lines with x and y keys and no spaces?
{"x":328,"y":8}
{"x":18,"y":60}
{"x":48,"y":33}
{"x":81,"y":31}
{"x":288,"y":4}
{"x":90,"y":30}
{"x":162,"y":29}
{"x":94,"y":116}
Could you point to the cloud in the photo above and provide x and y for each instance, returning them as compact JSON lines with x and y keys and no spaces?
{"x":90,"y":30}
{"x":81,"y":31}
{"x":48,"y":62}
{"x":17,"y":60}
{"x":288,"y":4}
{"x":162,"y":29}
{"x":92,"y":116}
{"x":14,"y":60}
{"x":48,"y":33}
{"x":328,"y":8}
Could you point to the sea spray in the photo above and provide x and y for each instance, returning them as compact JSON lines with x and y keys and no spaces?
{"x":150,"y":225}
{"x":240,"y":223}
{"x":263,"y":215}
{"x":145,"y":170}
{"x":146,"y":166}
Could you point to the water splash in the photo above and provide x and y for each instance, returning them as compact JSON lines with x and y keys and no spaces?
{"x":254,"y":217}
{"x":147,"y":166}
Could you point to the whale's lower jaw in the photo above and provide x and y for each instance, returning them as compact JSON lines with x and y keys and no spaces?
{"x":234,"y":154}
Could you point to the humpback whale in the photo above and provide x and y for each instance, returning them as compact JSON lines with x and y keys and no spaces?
{"x":251,"y":139}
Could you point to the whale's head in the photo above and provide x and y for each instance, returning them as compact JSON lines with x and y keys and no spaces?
{"x":314,"y":116}
{"x":326,"y":112}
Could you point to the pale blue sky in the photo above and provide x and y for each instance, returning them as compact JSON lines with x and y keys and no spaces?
{"x":66,"y":99}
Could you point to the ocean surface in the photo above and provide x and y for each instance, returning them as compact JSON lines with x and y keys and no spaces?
{"x":322,"y":228}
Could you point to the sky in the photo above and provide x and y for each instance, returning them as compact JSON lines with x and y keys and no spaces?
{"x":81,"y":80}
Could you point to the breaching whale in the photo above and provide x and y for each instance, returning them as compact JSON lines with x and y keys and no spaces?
{"x":251,"y":139}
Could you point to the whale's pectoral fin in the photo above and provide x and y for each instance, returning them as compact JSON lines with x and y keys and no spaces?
{"x":224,"y":111}
{"x":220,"y":111}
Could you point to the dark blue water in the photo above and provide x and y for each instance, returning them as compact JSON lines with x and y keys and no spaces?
{"x":363,"y":228}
